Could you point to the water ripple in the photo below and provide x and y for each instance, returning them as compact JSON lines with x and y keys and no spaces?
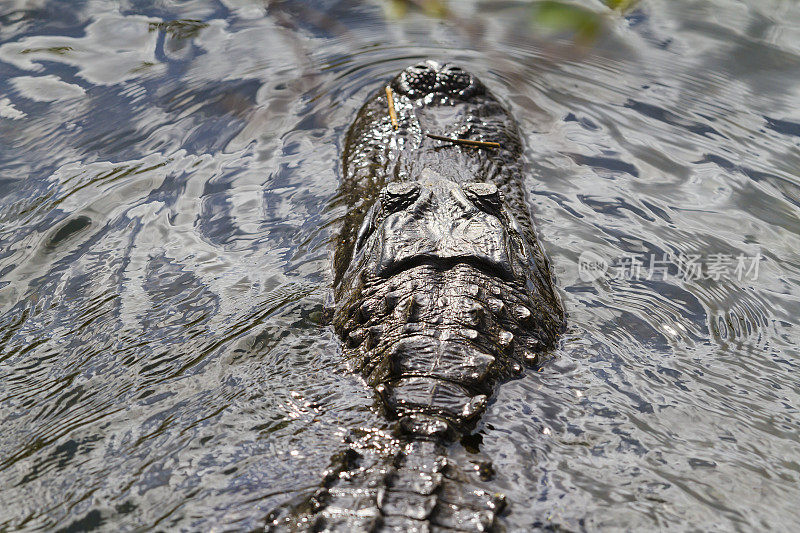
{"x":167,"y":197}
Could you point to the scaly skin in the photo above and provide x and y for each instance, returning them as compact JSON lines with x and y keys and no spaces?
{"x":442,"y":291}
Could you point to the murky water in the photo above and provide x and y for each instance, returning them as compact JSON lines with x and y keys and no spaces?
{"x":166,"y":176}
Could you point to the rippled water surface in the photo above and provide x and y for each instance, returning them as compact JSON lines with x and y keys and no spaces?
{"x":167,"y":171}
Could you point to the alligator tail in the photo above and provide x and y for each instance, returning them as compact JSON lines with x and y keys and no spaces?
{"x":415,"y":488}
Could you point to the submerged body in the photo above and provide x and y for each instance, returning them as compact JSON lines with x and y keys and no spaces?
{"x":441,"y":292}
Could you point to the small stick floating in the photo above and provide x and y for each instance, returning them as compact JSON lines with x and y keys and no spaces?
{"x":467,"y":142}
{"x":392,"y":114}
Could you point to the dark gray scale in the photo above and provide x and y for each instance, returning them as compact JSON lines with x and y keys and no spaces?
{"x":451,"y":361}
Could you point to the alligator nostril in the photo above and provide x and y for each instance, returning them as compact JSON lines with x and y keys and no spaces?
{"x":418,"y":80}
{"x":431,"y":77}
{"x":455,"y":80}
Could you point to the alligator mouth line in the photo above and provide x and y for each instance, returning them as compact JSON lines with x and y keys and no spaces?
{"x":442,"y":264}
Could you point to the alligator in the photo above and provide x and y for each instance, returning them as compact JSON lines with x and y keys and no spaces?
{"x":441,"y":292}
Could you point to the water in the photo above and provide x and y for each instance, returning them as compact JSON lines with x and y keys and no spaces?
{"x":165,"y":211}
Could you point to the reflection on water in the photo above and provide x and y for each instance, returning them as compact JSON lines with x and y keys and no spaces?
{"x":166,"y":177}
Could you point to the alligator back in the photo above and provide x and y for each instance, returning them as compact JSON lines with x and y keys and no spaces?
{"x":441,"y":291}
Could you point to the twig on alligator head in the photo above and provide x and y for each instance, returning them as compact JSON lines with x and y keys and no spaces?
{"x":441,"y":292}
{"x":392,"y":112}
{"x":465,"y":142}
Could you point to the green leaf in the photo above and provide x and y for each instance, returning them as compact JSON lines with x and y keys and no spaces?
{"x":562,"y":17}
{"x":621,"y":5}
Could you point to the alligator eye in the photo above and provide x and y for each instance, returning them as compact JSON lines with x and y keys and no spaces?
{"x":399,"y":195}
{"x":484,"y":195}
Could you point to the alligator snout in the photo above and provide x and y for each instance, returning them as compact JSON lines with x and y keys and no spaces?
{"x":436,"y":220}
{"x":431,"y":77}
